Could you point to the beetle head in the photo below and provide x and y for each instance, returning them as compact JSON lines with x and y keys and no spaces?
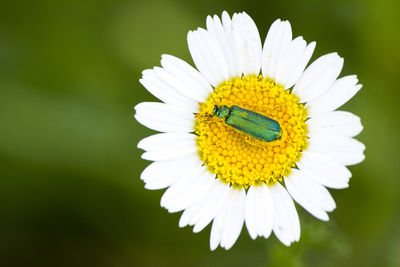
{"x":220,"y":112}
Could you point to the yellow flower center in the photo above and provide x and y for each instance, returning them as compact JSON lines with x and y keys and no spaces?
{"x":239,"y":158}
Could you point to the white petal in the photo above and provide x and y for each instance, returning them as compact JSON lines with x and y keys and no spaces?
{"x":313,"y":191}
{"x":168,"y":154}
{"x":216,"y":53}
{"x":190,"y":214}
{"x":324,"y":170}
{"x":189,"y":76}
{"x":259,"y":211}
{"x":166,"y":93}
{"x":202,"y":59}
{"x":161,"y":174}
{"x":165,"y":146}
{"x":154,"y":142}
{"x":223,"y":38}
{"x":251,"y":215}
{"x":303,"y":201}
{"x":346,"y":150}
{"x":229,"y":220}
{"x":207,"y":56}
{"x":335,"y":123}
{"x":164,"y":117}
{"x":292,"y":75}
{"x":289,"y":60}
{"x":310,"y":195}
{"x":339,"y":93}
{"x":246,"y":44}
{"x":177,"y":82}
{"x":318,"y":77}
{"x":176,"y":191}
{"x":214,"y":203}
{"x":273,"y":33}
{"x":174,"y":62}
{"x":150,"y":108}
{"x":204,"y":211}
{"x":227,"y":24}
{"x":276,"y":47}
{"x":286,"y":223}
{"x":188,"y":190}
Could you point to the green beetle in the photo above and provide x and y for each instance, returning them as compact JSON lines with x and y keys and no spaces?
{"x":249,"y":122}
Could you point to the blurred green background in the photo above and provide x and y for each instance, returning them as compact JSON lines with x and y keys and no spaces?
{"x":70,"y":193}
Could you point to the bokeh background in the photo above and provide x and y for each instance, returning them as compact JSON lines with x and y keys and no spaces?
{"x":70,"y":193}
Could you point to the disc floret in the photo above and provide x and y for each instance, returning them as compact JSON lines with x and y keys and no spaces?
{"x":241,"y":159}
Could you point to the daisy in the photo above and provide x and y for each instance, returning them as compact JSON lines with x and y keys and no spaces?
{"x":217,"y":173}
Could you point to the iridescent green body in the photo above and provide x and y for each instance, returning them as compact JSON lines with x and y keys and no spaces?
{"x":249,"y":122}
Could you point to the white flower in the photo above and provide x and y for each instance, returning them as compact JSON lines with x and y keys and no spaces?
{"x":214,"y":172}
